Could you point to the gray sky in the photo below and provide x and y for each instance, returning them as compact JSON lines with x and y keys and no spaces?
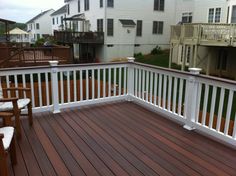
{"x":24,"y":10}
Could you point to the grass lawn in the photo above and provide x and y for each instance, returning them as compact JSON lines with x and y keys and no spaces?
{"x":161,"y":60}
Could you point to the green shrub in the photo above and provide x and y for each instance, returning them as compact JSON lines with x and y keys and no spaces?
{"x":156,"y":50}
{"x":40,"y":42}
{"x":139,"y":56}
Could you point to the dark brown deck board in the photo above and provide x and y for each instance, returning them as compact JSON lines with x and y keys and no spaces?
{"x":116,"y":139}
{"x":187,"y":144}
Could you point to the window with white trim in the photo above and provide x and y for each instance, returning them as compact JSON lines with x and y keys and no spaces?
{"x":214,"y":15}
{"x":211,"y":15}
{"x":187,"y":17}
{"x":217,"y":15}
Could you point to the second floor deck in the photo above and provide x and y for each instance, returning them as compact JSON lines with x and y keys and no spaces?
{"x":204,"y":34}
{"x":79,"y":37}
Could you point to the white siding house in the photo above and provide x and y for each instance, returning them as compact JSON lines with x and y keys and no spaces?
{"x":118,"y":20}
{"x":57,"y":19}
{"x":40,"y":25}
{"x":209,"y":42}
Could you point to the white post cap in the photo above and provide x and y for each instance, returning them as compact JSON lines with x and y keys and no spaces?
{"x":195,"y":71}
{"x":53,"y":63}
{"x":130,"y":59}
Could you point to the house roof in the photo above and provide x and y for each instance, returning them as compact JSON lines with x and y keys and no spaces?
{"x":17,"y":31}
{"x":38,"y":16}
{"x":7,"y":21}
{"x":60,"y":11}
{"x":127,"y":22}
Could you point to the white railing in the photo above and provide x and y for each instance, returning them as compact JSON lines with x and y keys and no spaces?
{"x":198,"y":102}
{"x":204,"y":103}
{"x":69,"y":85}
{"x":211,"y":33}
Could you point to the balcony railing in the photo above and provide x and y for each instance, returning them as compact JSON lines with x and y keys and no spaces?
{"x":205,"y":34}
{"x":196,"y":101}
{"x":79,"y":37}
{"x":33,"y":56}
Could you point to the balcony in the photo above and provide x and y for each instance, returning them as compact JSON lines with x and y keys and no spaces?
{"x":204,"y":34}
{"x":120,"y":119}
{"x":79,"y":37}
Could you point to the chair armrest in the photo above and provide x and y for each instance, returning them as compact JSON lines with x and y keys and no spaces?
{"x":8,"y":99}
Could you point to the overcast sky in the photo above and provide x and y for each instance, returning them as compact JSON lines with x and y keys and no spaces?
{"x":24,"y":10}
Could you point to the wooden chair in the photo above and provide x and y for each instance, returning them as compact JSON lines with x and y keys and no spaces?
{"x":15,"y":105}
{"x":7,"y":145}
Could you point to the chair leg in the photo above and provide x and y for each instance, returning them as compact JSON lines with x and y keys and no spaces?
{"x":30,"y":114}
{"x":18,"y":125}
{"x":13,"y":151}
{"x":4,"y":165}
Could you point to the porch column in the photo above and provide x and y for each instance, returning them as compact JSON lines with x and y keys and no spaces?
{"x":191,"y":99}
{"x":195,"y":56}
{"x":170,"y":56}
{"x":54,"y":84}
{"x":184,"y":57}
{"x":208,"y":63}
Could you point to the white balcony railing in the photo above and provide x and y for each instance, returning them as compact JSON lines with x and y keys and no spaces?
{"x":205,"y":34}
{"x":198,"y":102}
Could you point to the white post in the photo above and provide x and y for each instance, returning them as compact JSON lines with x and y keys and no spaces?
{"x":54,"y":83}
{"x":130,"y":91}
{"x":191,"y":98}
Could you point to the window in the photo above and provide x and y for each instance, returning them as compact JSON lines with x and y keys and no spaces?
{"x":37,"y":25}
{"x":78,"y":5}
{"x":233,"y":17}
{"x":100,"y":25}
{"x":57,"y":20}
{"x":139,"y":28}
{"x":38,"y":36}
{"x":159,"y":5}
{"x":187,"y":17}
{"x":110,"y":3}
{"x":53,"y":21}
{"x":101,"y":3}
{"x":214,"y":15}
{"x":86,"y":5}
{"x":158,"y":27}
{"x":217,"y":15}
{"x":227,"y":19}
{"x":68,"y":9}
{"x":61,"y":19}
{"x":110,"y":28}
{"x":211,"y":15}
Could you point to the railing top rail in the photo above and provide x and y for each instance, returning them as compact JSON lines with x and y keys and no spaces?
{"x":184,"y":73}
{"x":61,"y":66}
{"x":206,"y":24}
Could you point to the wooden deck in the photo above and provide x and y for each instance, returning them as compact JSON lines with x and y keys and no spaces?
{"x":117,"y":139}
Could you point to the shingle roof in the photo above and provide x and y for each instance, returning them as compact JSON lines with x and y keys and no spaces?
{"x":127,"y":22}
{"x":38,"y":16}
{"x":60,"y":11}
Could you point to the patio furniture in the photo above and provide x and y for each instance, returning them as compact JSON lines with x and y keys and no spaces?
{"x":7,"y":145}
{"x":15,"y":105}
